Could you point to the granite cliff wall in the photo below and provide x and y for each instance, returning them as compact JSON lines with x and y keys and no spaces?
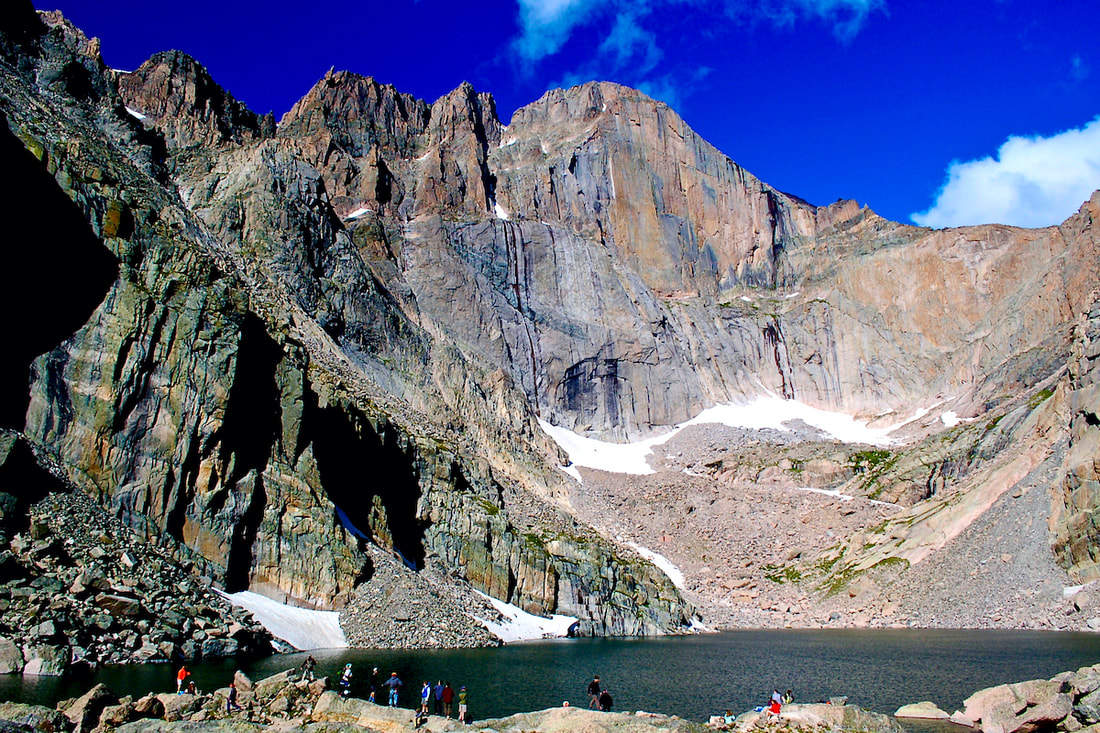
{"x":247,"y":393}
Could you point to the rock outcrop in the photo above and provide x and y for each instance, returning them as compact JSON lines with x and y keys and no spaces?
{"x":289,"y":347}
{"x":1066,"y":702}
{"x":250,"y":394}
{"x":79,"y":590}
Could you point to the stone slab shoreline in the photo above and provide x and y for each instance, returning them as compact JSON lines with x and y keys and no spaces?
{"x":1067,"y":703}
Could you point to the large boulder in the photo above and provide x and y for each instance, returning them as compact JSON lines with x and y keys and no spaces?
{"x":47,"y":660}
{"x":149,"y":707}
{"x":178,"y":707}
{"x":11,"y":657}
{"x":921,"y":710}
{"x":84,"y":712}
{"x":115,"y":715}
{"x":1087,"y":708}
{"x":269,"y":687}
{"x":1023,"y":707}
{"x":37,"y":717}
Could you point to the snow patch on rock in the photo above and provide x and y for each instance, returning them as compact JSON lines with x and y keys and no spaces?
{"x":518,"y":625}
{"x":662,"y":562}
{"x":302,"y":628}
{"x":766,"y":412}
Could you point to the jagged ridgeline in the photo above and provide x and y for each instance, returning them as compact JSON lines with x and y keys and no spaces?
{"x":271,"y":348}
{"x":241,"y":376}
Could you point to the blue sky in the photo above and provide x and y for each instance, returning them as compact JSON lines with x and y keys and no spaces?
{"x":993,"y":106}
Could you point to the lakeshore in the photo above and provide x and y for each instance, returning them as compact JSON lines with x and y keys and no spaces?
{"x":691,"y":677}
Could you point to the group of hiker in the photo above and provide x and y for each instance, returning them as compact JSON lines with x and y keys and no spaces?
{"x":599,"y":698}
{"x":441,"y":694}
{"x":439,"y":697}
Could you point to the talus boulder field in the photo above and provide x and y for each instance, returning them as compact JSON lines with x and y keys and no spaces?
{"x":290,"y":346}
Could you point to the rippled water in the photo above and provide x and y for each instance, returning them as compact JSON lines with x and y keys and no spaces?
{"x":692,"y":677}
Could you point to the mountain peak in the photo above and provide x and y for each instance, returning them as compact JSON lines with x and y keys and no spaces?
{"x":180,"y":97}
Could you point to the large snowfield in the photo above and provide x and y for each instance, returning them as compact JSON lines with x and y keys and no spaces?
{"x":767,"y":412}
{"x":302,"y":628}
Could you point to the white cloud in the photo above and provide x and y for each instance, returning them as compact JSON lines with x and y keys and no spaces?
{"x":1032,"y":182}
{"x":846,"y":16}
{"x":546,"y":25}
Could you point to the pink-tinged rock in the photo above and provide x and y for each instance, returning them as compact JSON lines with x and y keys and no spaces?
{"x":924,"y":710}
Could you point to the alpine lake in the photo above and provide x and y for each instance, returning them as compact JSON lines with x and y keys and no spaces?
{"x":693,"y":677}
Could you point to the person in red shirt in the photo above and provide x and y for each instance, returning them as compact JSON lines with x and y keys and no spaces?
{"x":181,"y":678}
{"x":448,"y":699}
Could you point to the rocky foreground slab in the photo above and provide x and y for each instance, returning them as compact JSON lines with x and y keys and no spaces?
{"x":1067,"y":703}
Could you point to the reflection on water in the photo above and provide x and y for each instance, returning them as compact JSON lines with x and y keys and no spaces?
{"x":692,"y":677}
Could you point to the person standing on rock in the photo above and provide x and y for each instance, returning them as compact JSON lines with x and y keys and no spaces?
{"x":373,"y":685}
{"x":181,"y":678}
{"x":345,"y":681}
{"x":594,"y":693}
{"x":448,"y":699}
{"x":605,"y":700}
{"x":394,"y":683}
{"x":425,"y":696}
{"x":462,"y":704}
{"x":307,"y":668}
{"x":231,"y":699}
{"x":437,"y":693}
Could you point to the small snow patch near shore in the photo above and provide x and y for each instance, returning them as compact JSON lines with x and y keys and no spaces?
{"x":302,"y":628}
{"x":662,"y":562}
{"x":519,"y":625}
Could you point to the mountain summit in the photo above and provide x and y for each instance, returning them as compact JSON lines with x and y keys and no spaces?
{"x":313,"y":356}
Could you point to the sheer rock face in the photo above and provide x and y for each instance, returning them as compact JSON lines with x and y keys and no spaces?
{"x":253,"y":395}
{"x":342,"y":330}
{"x":1076,"y":520}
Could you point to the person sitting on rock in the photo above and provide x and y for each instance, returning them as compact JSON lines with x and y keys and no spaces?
{"x":605,"y":700}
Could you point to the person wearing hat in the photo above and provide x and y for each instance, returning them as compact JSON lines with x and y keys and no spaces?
{"x":373,"y":685}
{"x":394,"y":683}
{"x":462,"y":699}
{"x":345,"y":681}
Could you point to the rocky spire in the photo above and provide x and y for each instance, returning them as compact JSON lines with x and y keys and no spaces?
{"x":177,"y":94}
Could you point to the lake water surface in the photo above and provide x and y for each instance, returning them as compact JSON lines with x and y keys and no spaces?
{"x":693,"y":677}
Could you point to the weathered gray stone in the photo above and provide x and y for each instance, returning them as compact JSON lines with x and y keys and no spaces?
{"x":11,"y":657}
{"x":46,"y":660}
{"x":84,"y":712}
{"x":37,"y":717}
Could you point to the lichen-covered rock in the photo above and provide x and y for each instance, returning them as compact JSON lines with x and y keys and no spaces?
{"x":38,"y":718}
